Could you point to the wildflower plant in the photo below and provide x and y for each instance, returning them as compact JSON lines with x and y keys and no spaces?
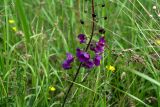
{"x":12,"y":23}
{"x":90,"y":55}
{"x":110,"y":68}
{"x":52,"y":89}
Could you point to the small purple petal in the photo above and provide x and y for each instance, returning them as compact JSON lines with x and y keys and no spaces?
{"x":86,"y":55}
{"x":97,"y":60}
{"x":82,"y":38}
{"x":100,"y":45}
{"x":82,"y":56}
{"x":101,"y":41}
{"x":99,"y":49}
{"x":78,"y":53}
{"x":66,"y":65}
{"x":89,"y":64}
{"x":70,"y":57}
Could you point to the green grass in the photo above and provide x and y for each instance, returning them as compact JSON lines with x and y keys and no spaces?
{"x":31,"y":57}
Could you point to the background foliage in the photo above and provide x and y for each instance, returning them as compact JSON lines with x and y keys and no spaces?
{"x":31,"y":55}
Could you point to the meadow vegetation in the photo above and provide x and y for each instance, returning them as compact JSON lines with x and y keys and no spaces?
{"x":35,"y":36}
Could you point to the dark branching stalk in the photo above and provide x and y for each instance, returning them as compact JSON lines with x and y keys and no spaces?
{"x":80,"y":65}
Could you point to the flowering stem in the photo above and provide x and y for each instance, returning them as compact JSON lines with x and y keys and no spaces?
{"x":74,"y":79}
{"x":93,"y":26}
{"x":76,"y":75}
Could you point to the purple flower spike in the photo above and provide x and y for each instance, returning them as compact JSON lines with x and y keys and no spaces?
{"x":89,"y":64}
{"x":67,"y":63}
{"x":82,"y":38}
{"x":97,"y":60}
{"x":82,"y":56}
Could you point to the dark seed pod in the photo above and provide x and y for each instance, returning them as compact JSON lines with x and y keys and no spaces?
{"x":103,"y":5}
{"x":94,"y":15}
{"x":81,"y":21}
{"x":92,"y":45}
{"x":102,"y":31}
{"x":105,"y":18}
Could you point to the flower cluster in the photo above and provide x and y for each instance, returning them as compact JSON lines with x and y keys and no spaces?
{"x":85,"y":57}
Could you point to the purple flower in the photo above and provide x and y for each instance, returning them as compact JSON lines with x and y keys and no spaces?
{"x":82,"y":56}
{"x":102,"y":41}
{"x":99,"y":49}
{"x":78,"y":53}
{"x":97,"y":60}
{"x":67,"y":63}
{"x":70,"y":58}
{"x":89,"y":64}
{"x":82,"y":38}
{"x":100,"y":45}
